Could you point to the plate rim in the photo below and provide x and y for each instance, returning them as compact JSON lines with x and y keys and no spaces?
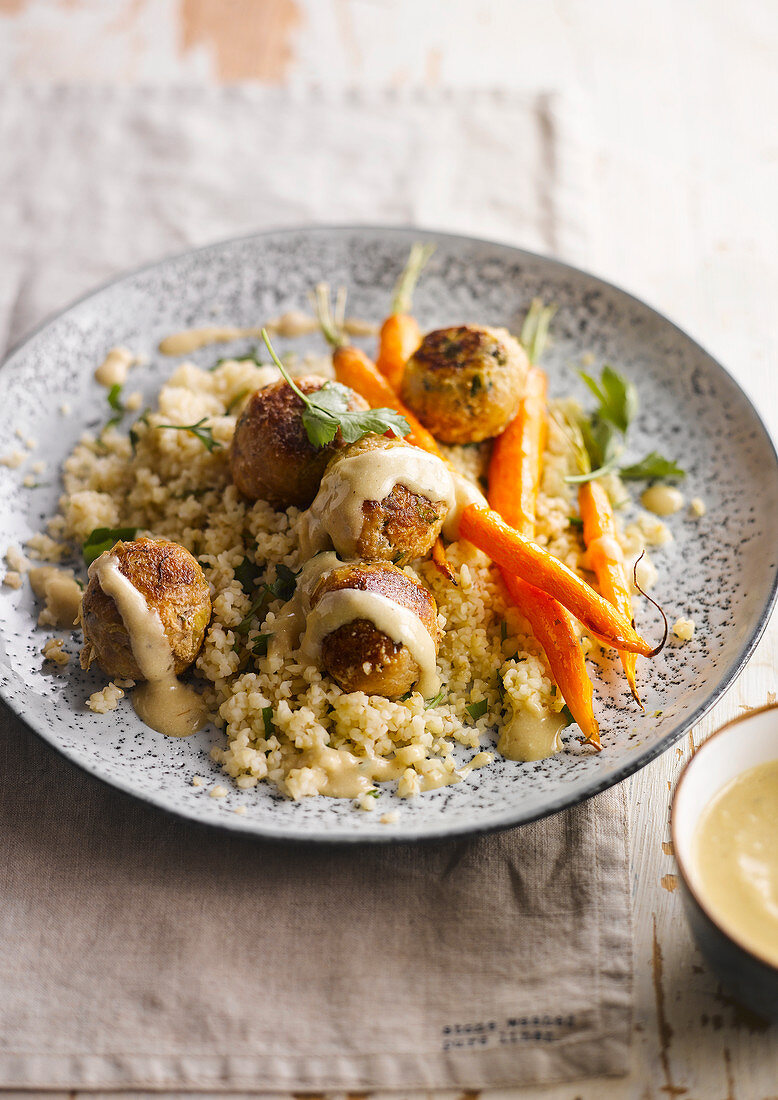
{"x":447,"y":830}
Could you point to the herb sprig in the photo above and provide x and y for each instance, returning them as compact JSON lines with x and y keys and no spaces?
{"x":327,"y":410}
{"x":599,"y":440}
{"x":200,"y":430}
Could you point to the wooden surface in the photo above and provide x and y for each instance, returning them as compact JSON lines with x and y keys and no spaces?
{"x":681,"y":99}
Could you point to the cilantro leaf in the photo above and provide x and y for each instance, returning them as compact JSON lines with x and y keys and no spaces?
{"x":104,"y":538}
{"x":477,"y":710}
{"x":204,"y":434}
{"x":652,"y":466}
{"x":617,"y":397}
{"x":327,"y":410}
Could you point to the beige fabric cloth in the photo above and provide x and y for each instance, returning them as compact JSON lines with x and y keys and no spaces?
{"x":140,"y":952}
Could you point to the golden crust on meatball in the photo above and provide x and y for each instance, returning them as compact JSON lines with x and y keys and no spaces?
{"x":465,"y":383}
{"x":271,"y":457}
{"x":172,"y":583}
{"x":357,"y":655}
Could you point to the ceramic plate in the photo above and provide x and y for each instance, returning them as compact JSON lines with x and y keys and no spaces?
{"x":719,"y":570}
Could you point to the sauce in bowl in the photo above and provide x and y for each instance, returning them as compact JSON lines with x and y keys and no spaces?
{"x":735,"y":850}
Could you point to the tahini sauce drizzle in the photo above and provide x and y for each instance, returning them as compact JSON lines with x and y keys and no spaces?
{"x":736,"y":858}
{"x":113,"y":370}
{"x":162,"y":702}
{"x":290,"y":324}
{"x":402,"y":625}
{"x":526,"y":736}
{"x":662,"y":500}
{"x":336,"y":513}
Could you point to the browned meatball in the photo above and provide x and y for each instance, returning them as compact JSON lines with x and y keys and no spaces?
{"x":172,"y":583}
{"x":358,"y":655}
{"x":271,"y":457}
{"x":465,"y":383}
{"x":404,"y":525}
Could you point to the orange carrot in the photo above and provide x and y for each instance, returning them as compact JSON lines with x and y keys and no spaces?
{"x":400,"y":336}
{"x":354,"y":369}
{"x":514,"y":480}
{"x":599,"y":532}
{"x":555,"y":630}
{"x":515,"y":465}
{"x":523,"y":557}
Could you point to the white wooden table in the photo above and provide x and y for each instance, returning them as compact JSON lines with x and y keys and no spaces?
{"x":683,"y":101}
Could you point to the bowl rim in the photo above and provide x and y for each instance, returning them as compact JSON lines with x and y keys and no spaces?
{"x":683,"y":867}
{"x":507,"y":819}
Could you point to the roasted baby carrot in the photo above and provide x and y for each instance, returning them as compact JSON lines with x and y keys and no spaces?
{"x":514,"y":479}
{"x":523,"y":557}
{"x":400,"y":334}
{"x":516,"y":462}
{"x":607,"y":561}
{"x":555,"y":630}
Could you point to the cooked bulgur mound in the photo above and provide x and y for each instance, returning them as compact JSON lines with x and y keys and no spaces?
{"x":283,"y":720}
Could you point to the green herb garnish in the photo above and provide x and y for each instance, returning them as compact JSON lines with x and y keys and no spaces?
{"x":617,"y":397}
{"x":568,"y":716}
{"x":285,"y":583}
{"x":653,"y":465}
{"x":247,"y":573}
{"x":204,"y":434}
{"x":104,"y":538}
{"x":236,"y":400}
{"x":267,"y":718}
{"x":477,"y":710}
{"x":327,"y":410}
{"x":282,"y":588}
{"x":115,"y":401}
{"x":575,"y":521}
{"x":373,"y":792}
{"x":134,"y":435}
{"x":430,"y":703}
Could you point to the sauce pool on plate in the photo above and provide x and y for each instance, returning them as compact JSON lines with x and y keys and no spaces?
{"x":735,"y":850}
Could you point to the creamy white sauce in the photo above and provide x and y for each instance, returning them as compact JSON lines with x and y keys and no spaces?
{"x":402,"y":625}
{"x":662,"y":500}
{"x":292,"y":323}
{"x":527,"y":736}
{"x":466,"y":493}
{"x":162,"y":702}
{"x":62,"y":594}
{"x":289,"y":623}
{"x":113,"y":370}
{"x":336,"y":513}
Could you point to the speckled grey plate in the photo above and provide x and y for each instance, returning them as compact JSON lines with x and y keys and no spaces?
{"x":720,"y":570}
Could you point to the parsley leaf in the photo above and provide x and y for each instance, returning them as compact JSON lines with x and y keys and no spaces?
{"x":267,"y":718}
{"x":260,"y":644}
{"x":285,"y":583}
{"x":618,"y":399}
{"x":430,"y":703}
{"x":373,"y":792}
{"x":247,"y":573}
{"x":568,"y":714}
{"x":653,"y":465}
{"x":477,"y":710}
{"x":327,"y":410}
{"x":103,"y":538}
{"x":204,"y":434}
{"x":115,"y":401}
{"x":282,"y":588}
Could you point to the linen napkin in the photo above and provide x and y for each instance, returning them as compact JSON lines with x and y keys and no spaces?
{"x":140,"y":952}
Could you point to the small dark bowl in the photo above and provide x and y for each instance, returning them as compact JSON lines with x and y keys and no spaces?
{"x":744,"y":743}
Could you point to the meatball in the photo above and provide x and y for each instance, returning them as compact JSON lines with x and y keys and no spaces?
{"x":271,"y":457}
{"x":172,"y":583}
{"x":465,"y":383}
{"x":359,"y":656}
{"x":404,"y":524}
